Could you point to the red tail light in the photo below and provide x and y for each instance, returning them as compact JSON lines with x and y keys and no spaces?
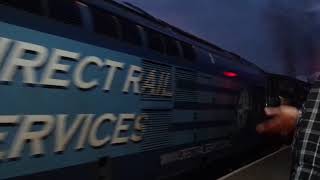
{"x":230,"y":74}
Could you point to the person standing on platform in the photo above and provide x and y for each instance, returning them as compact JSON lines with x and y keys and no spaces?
{"x":305,"y":125}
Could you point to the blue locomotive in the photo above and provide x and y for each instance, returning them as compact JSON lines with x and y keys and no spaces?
{"x":95,"y":89}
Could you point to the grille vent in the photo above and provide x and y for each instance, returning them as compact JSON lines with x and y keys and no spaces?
{"x":186,"y":86}
{"x":155,"y":129}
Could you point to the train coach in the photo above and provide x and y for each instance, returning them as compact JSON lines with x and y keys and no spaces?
{"x":95,"y":89}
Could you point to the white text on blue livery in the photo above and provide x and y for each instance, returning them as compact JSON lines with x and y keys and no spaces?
{"x":84,"y":129}
{"x":51,"y":60}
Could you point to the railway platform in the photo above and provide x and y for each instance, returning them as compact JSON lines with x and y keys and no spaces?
{"x":275,"y":166}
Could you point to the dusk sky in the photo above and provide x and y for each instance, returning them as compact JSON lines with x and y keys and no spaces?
{"x":261,"y":31}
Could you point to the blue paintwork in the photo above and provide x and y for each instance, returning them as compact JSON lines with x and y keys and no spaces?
{"x":21,"y":99}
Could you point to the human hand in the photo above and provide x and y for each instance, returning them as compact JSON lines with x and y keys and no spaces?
{"x":283,"y":120}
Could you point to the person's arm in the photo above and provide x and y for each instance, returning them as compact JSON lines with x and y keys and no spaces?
{"x":306,"y":145}
{"x":283,"y":120}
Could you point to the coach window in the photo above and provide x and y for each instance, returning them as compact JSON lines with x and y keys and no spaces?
{"x":172,"y":48}
{"x":66,"y":11}
{"x":155,"y":41}
{"x":188,"y":51}
{"x":130,"y":32}
{"x":105,"y":23}
{"x":34,"y":6}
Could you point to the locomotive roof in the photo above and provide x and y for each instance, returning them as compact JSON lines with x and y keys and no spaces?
{"x":165,"y":27}
{"x":142,"y":17}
